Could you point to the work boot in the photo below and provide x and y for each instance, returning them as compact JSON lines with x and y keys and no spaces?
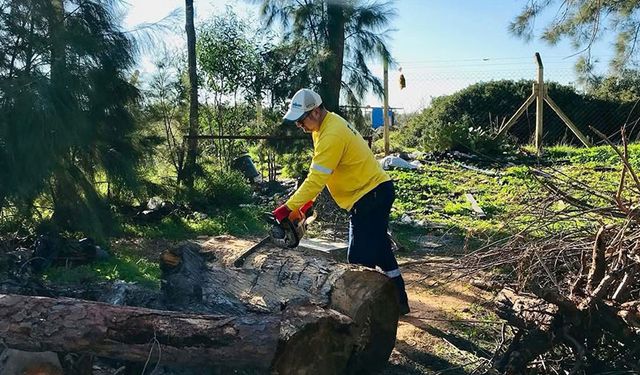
{"x":403,"y":300}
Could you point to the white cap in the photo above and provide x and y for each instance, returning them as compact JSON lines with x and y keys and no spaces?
{"x":303,"y":101}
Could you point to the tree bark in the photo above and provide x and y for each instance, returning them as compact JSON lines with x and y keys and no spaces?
{"x":331,"y":70}
{"x":252,"y":341}
{"x":57,"y":42}
{"x":204,"y":279}
{"x":192,"y":143}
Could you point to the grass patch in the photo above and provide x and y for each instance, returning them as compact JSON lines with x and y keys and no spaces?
{"x":129,"y":265}
{"x":236,"y":221}
{"x":124,"y":266}
{"x":436,"y":193}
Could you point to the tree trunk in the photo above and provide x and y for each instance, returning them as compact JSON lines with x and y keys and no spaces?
{"x":57,"y":42}
{"x":192,"y":144}
{"x":62,"y":203}
{"x":252,"y":341}
{"x":204,"y":279}
{"x":331,"y":70}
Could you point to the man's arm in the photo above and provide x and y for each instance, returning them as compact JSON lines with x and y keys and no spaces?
{"x":328,"y":153}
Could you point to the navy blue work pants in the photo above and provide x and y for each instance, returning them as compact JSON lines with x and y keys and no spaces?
{"x":369,"y":243}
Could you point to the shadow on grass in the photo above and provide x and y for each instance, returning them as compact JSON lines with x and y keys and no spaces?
{"x":421,"y":362}
{"x":459,"y":342}
{"x":119,"y":267}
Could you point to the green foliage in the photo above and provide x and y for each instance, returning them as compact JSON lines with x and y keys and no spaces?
{"x":469,"y":118}
{"x":509,"y":198}
{"x":226,"y":54}
{"x":241,"y":62}
{"x":623,"y":87}
{"x":296,"y":165}
{"x":219,"y":189}
{"x":582,"y":22}
{"x":165,"y":111}
{"x":602,"y":155}
{"x":338,"y":60}
{"x":124,"y":266}
{"x":234,"y":221}
{"x":397,"y":143}
{"x":65,"y":108}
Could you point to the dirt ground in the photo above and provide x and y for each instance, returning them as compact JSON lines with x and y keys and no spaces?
{"x":449,"y":329}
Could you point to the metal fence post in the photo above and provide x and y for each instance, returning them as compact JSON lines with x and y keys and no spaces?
{"x":385,"y":114}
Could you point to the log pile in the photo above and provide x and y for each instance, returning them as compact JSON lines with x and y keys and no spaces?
{"x":283,"y":312}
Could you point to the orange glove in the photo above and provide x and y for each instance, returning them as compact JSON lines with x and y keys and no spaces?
{"x":300,"y":214}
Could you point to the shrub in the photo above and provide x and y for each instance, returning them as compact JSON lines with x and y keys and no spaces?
{"x":469,"y":117}
{"x":296,"y":165}
{"x":463,"y":136}
{"x":219,"y":189}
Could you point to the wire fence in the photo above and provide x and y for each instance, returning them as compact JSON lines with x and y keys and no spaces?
{"x":495,"y":103}
{"x":428,"y":79}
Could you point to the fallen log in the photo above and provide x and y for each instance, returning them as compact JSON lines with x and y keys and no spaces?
{"x":283,"y":312}
{"x":262,"y":342}
{"x":203,"y":278}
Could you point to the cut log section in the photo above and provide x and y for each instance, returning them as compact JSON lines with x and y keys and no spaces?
{"x":262,"y":342}
{"x":273,"y":279}
{"x":283,"y":312}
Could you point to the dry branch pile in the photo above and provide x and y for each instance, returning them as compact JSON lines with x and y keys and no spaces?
{"x":571,"y":282}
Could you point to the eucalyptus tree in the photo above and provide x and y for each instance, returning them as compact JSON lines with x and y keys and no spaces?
{"x":343,"y":35}
{"x":65,"y":107}
{"x":229,"y":60}
{"x":584,"y":23}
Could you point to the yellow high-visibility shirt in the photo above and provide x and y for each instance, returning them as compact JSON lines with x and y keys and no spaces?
{"x":343,"y":162}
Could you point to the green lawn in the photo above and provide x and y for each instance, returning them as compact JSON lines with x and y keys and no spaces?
{"x":507,"y":191}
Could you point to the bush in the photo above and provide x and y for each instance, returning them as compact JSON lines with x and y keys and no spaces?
{"x":296,"y":165}
{"x":469,"y":117}
{"x":463,"y":136}
{"x":219,"y":189}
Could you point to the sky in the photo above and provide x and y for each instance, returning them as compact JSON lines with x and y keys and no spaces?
{"x":441,"y":45}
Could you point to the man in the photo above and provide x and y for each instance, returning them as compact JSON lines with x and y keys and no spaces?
{"x":343,"y":162}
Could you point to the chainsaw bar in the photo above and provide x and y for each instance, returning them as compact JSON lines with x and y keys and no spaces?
{"x":241,"y":259}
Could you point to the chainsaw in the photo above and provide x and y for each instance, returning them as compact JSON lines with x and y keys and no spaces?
{"x":285,"y":234}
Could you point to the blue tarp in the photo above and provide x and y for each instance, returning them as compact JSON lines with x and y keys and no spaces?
{"x":376,"y":117}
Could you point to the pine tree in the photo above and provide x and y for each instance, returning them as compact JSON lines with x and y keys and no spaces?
{"x":584,"y":22}
{"x":65,"y":107}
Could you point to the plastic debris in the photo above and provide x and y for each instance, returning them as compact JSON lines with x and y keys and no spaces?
{"x":391,"y":161}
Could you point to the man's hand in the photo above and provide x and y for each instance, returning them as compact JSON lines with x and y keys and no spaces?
{"x":296,"y":215}
{"x":301,"y":213}
{"x":281,"y":213}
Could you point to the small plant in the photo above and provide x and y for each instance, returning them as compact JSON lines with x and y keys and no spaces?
{"x":296,"y":165}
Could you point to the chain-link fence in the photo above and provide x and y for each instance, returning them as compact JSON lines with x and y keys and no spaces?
{"x":490,"y":91}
